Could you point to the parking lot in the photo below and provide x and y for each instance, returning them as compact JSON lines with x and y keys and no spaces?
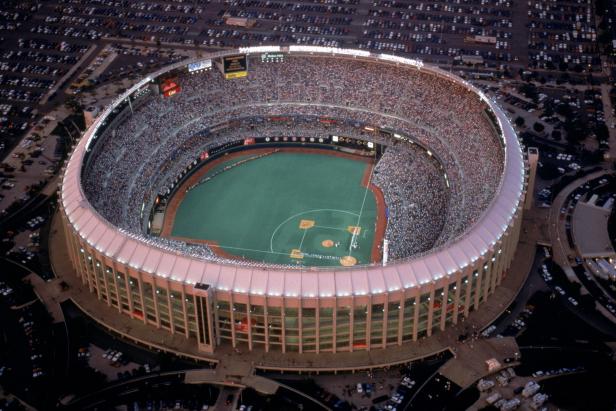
{"x":42,"y":42}
{"x":61,"y":56}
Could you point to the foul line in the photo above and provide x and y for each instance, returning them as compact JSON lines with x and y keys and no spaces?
{"x":330,"y":228}
{"x":246,"y":249}
{"x":302,"y":242}
{"x":361,"y":210}
{"x":308,"y":255}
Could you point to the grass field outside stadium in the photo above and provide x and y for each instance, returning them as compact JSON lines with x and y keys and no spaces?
{"x":297,"y":206}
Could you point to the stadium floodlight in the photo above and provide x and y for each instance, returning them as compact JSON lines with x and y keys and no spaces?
{"x":310,"y":49}
{"x":332,"y":50}
{"x":401,"y":60}
{"x":370,"y":144}
{"x":352,"y":52}
{"x":259,"y":49}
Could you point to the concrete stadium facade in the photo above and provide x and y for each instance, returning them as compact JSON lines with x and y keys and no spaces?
{"x":276,"y":310}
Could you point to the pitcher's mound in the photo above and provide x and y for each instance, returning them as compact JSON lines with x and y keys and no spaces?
{"x":327,"y":243}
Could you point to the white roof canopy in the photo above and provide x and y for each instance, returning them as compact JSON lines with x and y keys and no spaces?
{"x":138,"y":253}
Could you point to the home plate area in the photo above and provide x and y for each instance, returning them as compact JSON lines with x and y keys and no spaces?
{"x":337,"y":242}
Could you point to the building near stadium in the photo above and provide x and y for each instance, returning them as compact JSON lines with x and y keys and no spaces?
{"x":150,"y":145}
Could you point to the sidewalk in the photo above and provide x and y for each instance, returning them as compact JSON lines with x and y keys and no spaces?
{"x":610,"y":119}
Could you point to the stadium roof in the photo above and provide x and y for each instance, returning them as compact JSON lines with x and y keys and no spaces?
{"x":590,"y":231}
{"x":166,"y":262}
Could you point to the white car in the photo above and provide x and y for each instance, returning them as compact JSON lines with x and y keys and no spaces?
{"x":407,"y":382}
{"x":360,"y":389}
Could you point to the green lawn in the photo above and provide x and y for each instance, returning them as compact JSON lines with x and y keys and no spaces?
{"x":255,"y":210}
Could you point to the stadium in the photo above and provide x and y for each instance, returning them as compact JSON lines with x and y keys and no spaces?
{"x":295,"y":199}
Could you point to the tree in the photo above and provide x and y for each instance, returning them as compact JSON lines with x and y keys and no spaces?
{"x":529,"y":91}
{"x":73,"y":104}
{"x":519,"y":121}
{"x":548,"y":172}
{"x":564,"y":110}
{"x":538,"y":127}
{"x":602,"y":132}
{"x":576,"y":130}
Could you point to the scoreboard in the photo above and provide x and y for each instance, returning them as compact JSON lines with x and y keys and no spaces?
{"x":169,"y":87}
{"x":235,"y":66}
{"x":272,"y":57}
{"x":200,"y":65}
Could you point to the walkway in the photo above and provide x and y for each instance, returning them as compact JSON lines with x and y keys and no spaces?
{"x":46,"y":293}
{"x":469,"y":364}
{"x":610,"y":119}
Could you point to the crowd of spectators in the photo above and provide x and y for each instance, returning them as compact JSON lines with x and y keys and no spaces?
{"x":416,"y":198}
{"x":143,"y":155}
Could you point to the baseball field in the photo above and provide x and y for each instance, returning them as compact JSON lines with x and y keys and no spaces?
{"x":294,"y":206}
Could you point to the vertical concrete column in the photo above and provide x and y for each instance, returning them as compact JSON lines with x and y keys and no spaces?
{"x":185,"y":313}
{"x":401,"y":318}
{"x":169,"y":307}
{"x":416,"y":314}
{"x":143,"y":309}
{"x":266,"y":325}
{"x":456,"y":300}
{"x":232,"y":319}
{"x":430,"y":309}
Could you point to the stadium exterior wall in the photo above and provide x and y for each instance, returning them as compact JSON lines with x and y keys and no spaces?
{"x":295,"y":311}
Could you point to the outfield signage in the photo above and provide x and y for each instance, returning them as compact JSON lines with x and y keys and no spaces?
{"x":235,"y":66}
{"x":200,"y":65}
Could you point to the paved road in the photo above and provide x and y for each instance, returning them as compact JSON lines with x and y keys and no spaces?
{"x":221,"y":403}
{"x":557,"y":230}
{"x":561,"y":250}
{"x":533,"y":284}
{"x":610,"y":118}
